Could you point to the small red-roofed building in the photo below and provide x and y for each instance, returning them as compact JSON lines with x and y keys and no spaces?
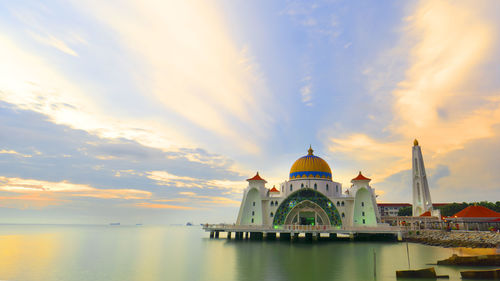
{"x":476,"y":213}
{"x":426,"y":214}
{"x":475,"y":218}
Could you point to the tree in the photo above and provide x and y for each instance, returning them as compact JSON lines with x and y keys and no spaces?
{"x":404,"y":211}
{"x":453,"y":208}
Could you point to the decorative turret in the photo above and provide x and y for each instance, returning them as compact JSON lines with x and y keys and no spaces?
{"x":360,"y":177}
{"x":256,"y":178}
{"x":274,"y":189}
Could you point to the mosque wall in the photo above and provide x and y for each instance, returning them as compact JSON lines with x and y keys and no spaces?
{"x":364,"y":211}
{"x":251,"y":208}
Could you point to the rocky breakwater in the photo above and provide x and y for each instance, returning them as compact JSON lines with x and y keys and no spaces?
{"x":468,"y":239}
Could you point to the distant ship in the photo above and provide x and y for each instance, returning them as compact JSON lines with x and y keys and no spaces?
{"x":189,"y":224}
{"x":114,"y":223}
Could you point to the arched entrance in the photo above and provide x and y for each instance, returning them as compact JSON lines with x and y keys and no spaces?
{"x":307,"y":206}
{"x":307,"y":213}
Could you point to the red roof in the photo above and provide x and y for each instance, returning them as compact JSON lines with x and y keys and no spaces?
{"x":439,"y":204}
{"x":477,"y":212}
{"x":360,"y":177}
{"x":394,"y":204}
{"x":274,"y":189}
{"x":426,"y":214}
{"x":256,"y":178}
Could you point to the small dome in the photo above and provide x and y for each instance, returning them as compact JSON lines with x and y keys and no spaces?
{"x":310,"y":166}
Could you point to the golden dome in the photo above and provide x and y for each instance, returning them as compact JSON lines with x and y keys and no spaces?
{"x":310,"y":166}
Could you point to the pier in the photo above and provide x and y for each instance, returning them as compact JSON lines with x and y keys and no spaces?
{"x":309,"y":232}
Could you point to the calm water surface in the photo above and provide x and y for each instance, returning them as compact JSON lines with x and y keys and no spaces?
{"x":29,"y":253}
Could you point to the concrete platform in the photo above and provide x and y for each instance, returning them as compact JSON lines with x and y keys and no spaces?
{"x":312,"y":233}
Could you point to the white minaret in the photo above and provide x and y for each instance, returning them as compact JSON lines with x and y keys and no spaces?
{"x":421,"y":195}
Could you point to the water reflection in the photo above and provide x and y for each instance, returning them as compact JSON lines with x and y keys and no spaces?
{"x":186,"y":253}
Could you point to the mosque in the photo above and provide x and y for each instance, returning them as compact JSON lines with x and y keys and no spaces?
{"x":309,"y":197}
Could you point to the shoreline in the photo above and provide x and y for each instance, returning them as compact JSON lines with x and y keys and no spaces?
{"x":454,"y":239}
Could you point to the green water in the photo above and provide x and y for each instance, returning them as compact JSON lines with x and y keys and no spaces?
{"x":186,"y":253}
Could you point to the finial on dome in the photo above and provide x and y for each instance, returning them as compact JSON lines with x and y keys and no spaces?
{"x":310,"y":150}
{"x":415,"y":142}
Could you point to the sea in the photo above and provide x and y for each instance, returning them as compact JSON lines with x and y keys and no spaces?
{"x":153,"y":253}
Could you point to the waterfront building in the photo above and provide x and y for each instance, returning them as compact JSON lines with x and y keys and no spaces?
{"x":475,"y":218}
{"x":310,"y":196}
{"x":391,"y":209}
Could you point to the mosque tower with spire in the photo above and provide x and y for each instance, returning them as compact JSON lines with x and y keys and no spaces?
{"x":421,"y":195}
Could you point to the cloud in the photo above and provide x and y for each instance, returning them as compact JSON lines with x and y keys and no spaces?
{"x":20,"y":185}
{"x":168,"y":179}
{"x":165,"y":178}
{"x":32,"y":83}
{"x":439,"y":100}
{"x":13,"y":152}
{"x":161,"y":206}
{"x":306,"y":91}
{"x":194,"y":68}
{"x":210,"y":199}
{"x":193,"y":198}
{"x":316,"y":18}
{"x":29,"y":201}
{"x":52,"y":41}
{"x":436,"y":98}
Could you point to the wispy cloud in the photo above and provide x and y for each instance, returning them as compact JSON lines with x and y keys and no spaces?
{"x":438,"y":100}
{"x":316,"y":17}
{"x":194,"y":68}
{"x":193,"y":198}
{"x":306,"y":91}
{"x":168,"y":179}
{"x":13,"y":152}
{"x":40,"y":190}
{"x":52,"y":41}
{"x":165,"y":178}
{"x":149,"y":205}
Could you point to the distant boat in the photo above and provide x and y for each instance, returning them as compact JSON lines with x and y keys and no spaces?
{"x":114,"y":223}
{"x":189,"y":224}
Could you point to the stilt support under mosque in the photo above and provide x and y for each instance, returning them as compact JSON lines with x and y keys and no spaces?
{"x":271,"y":235}
{"x":256,"y":235}
{"x":285,"y":236}
{"x":309,"y":236}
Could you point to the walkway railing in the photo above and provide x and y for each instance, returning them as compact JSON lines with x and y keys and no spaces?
{"x":317,"y":228}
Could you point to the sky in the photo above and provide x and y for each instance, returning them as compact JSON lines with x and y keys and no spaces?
{"x":157,"y":111}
